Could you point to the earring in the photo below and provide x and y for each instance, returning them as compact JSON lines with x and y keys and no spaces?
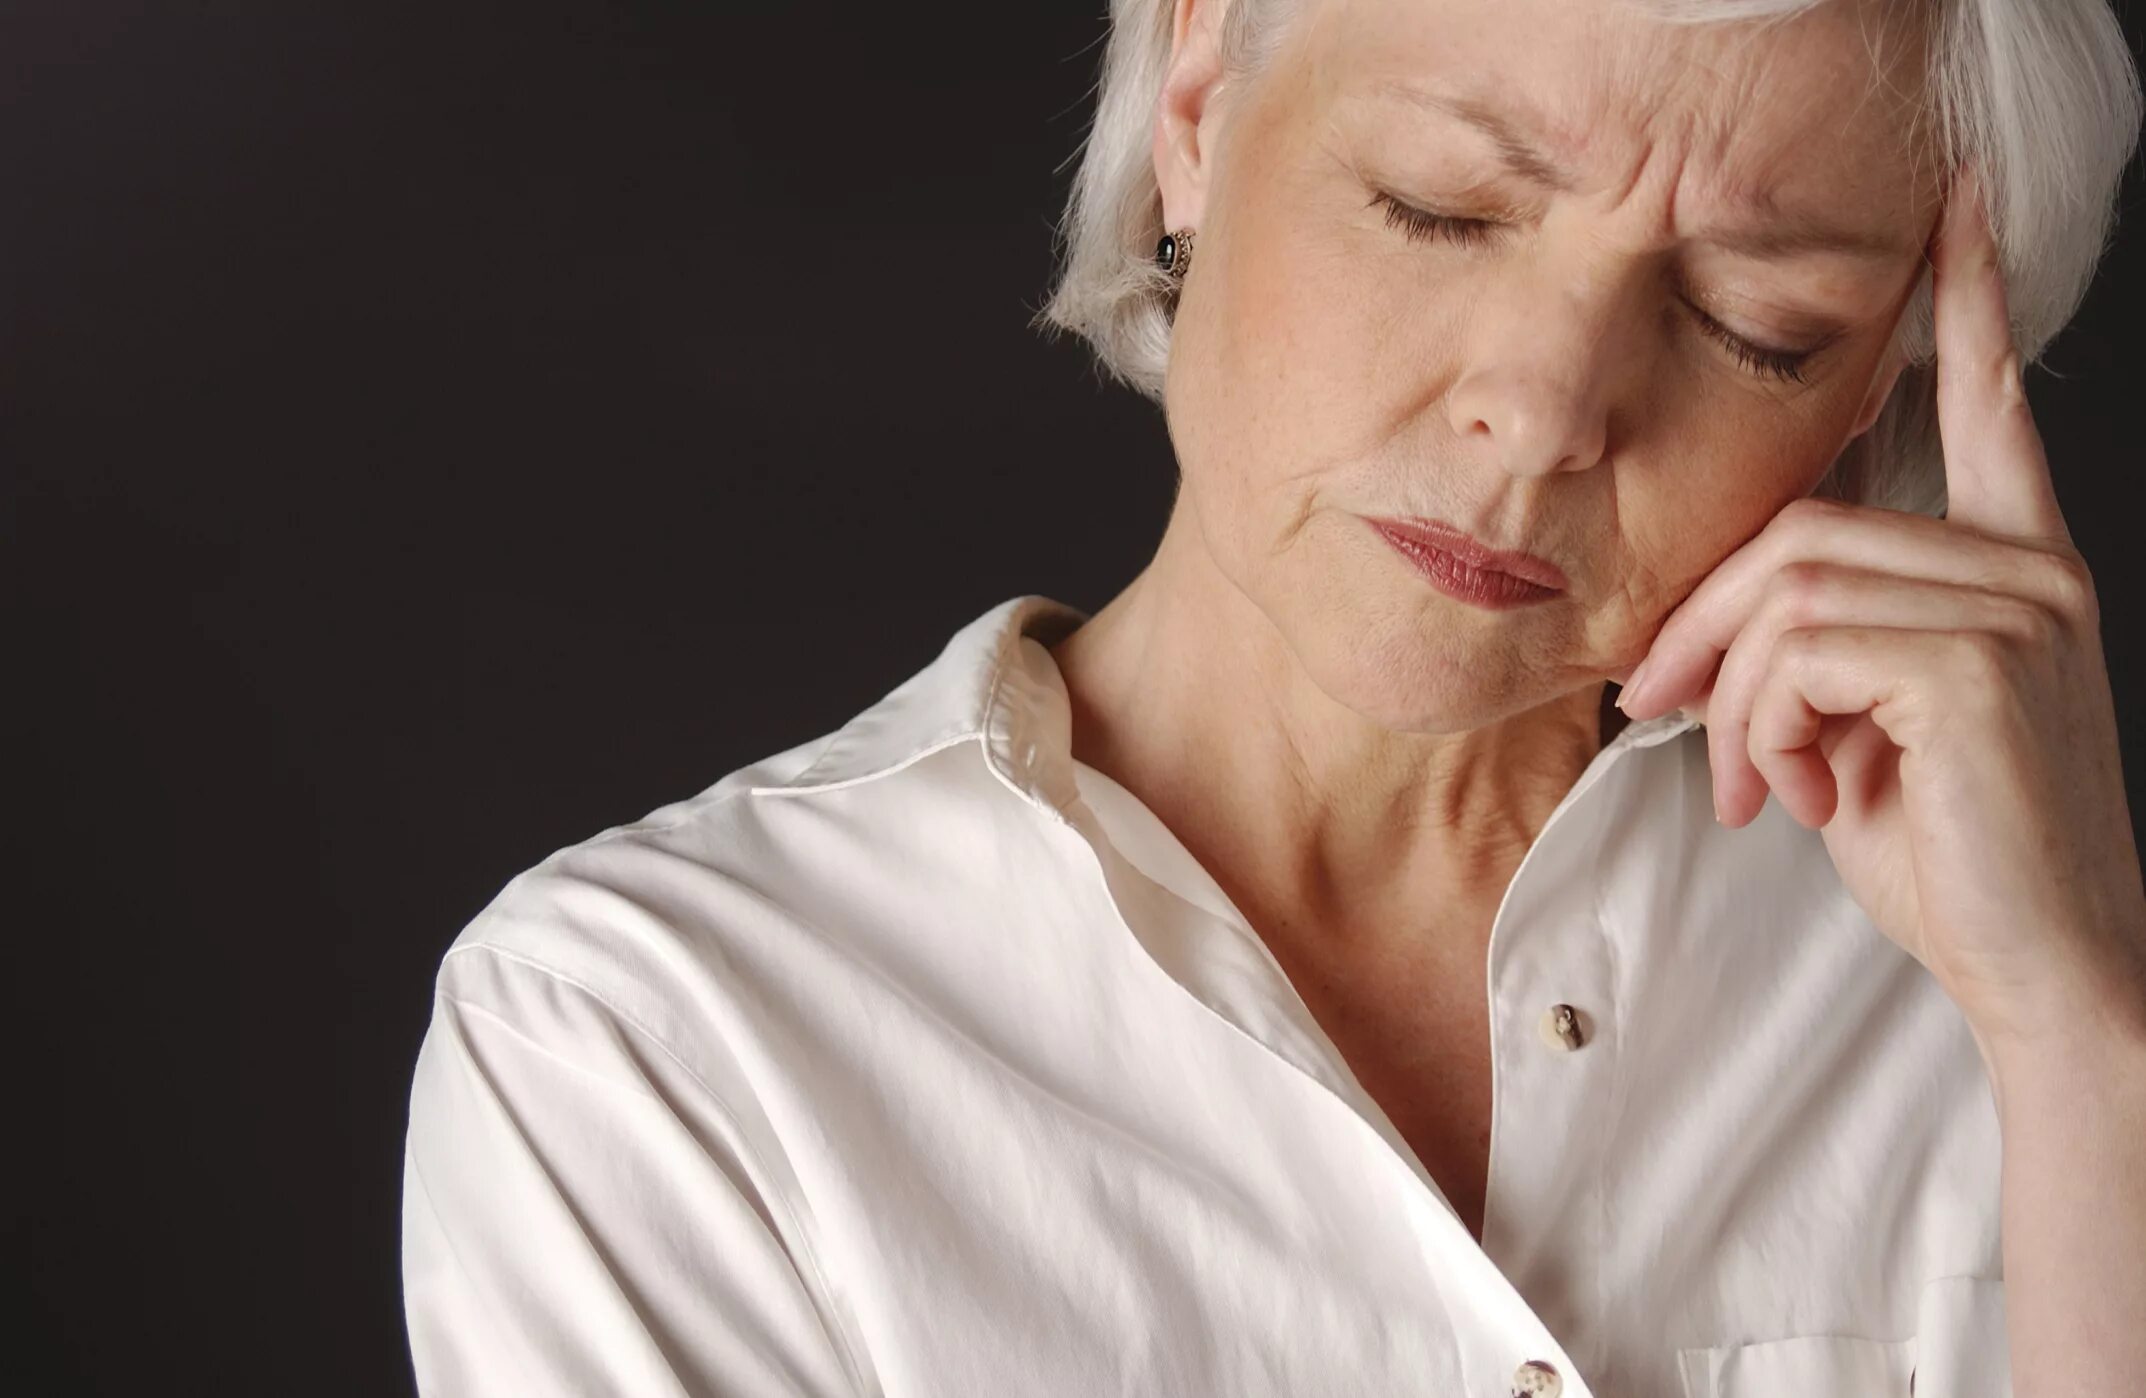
{"x":1174,"y":254}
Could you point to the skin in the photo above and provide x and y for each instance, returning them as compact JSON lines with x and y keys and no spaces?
{"x":1359,"y":760}
{"x":1932,"y":697}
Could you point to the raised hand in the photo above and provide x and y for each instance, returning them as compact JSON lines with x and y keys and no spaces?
{"x":1932,"y":694}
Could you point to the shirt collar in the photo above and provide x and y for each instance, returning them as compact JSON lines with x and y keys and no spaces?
{"x":994,"y":681}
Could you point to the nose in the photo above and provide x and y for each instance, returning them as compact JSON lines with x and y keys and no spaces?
{"x":1545,"y":349}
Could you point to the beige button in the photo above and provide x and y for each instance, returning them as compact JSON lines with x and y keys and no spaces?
{"x":1562,"y":1027}
{"x":1537,"y":1379}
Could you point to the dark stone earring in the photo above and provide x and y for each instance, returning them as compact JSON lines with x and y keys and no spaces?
{"x":1174,"y":254}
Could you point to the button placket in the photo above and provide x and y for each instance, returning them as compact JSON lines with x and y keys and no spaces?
{"x":1553,"y":986}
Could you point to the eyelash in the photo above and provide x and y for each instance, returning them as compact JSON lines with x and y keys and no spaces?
{"x":1416,"y":224}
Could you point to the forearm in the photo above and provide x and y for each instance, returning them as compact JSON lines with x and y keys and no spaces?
{"x":2072,"y":1112}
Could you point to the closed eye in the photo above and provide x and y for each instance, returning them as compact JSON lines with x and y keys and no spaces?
{"x":1416,"y":223}
{"x":1758,"y":358}
{"x":1422,"y":225}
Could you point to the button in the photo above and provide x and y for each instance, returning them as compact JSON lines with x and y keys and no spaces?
{"x":1537,"y":1379}
{"x":1561,"y":1027}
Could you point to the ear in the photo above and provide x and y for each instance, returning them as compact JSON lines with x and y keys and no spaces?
{"x":1186,"y":113}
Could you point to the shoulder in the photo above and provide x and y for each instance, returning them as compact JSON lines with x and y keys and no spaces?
{"x":589,"y":1078}
{"x":735,"y":916}
{"x":639,"y":921}
{"x":606,"y":911}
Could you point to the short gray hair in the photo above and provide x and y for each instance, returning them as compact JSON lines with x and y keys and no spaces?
{"x":2041,"y":96}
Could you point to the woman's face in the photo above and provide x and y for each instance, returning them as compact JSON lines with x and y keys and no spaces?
{"x":1557,"y":383}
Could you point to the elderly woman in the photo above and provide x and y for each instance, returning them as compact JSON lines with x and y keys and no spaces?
{"x":1295,"y":978}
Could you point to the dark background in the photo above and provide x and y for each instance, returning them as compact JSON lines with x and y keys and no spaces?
{"x":434,"y":433}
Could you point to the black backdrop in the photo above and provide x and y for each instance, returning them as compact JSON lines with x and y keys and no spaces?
{"x":433,"y":433}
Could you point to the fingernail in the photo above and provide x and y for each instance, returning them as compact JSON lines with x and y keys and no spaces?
{"x":1632,"y":684}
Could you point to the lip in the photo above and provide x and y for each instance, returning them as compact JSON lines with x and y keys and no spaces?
{"x":1477,"y":556}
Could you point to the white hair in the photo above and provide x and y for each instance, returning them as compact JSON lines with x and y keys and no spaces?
{"x":2040,"y":96}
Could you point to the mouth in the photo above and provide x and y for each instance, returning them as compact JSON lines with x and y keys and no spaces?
{"x":1467,"y":569}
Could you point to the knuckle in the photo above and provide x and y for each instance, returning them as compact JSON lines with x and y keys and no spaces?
{"x":1811,"y":509}
{"x":2067,"y":584}
{"x":1802,"y":521}
{"x":2030,"y":624}
{"x":1802,"y":642}
{"x":1982,"y":665}
{"x":2010,"y":389}
{"x":1800,"y":593}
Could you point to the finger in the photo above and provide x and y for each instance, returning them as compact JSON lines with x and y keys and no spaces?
{"x":1894,"y":674}
{"x":1696,"y":706}
{"x":1783,"y":747}
{"x":1807,"y":758}
{"x":1810,"y":594}
{"x":1996,"y":470}
{"x":1690,"y":643}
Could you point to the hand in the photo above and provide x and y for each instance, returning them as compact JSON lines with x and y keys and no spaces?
{"x":1931,"y":695}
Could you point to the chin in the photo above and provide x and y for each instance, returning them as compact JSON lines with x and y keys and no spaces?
{"x":1399,"y":678}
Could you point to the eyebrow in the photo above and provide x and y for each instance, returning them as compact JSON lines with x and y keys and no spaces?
{"x":1779,"y":232}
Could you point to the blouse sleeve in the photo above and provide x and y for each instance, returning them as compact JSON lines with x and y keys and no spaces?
{"x":580,"y":1215}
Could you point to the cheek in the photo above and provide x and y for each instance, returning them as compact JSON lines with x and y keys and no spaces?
{"x":1733,"y":471}
{"x":1243,"y":421}
{"x":1287,"y":345}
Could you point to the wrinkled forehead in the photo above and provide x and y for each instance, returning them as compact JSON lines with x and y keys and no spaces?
{"x":1828,"y":99}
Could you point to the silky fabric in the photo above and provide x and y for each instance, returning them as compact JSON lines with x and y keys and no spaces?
{"x":922,"y":1059}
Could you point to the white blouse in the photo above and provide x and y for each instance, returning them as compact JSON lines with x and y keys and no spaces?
{"x":921,"y":1059}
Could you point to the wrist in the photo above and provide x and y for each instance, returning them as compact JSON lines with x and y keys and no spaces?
{"x":2084,"y":1002}
{"x":2066,"y":1045}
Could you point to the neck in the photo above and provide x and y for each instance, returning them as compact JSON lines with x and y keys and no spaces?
{"x":1183,"y":691}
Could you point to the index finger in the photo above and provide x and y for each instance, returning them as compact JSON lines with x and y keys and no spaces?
{"x":1996,"y":471}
